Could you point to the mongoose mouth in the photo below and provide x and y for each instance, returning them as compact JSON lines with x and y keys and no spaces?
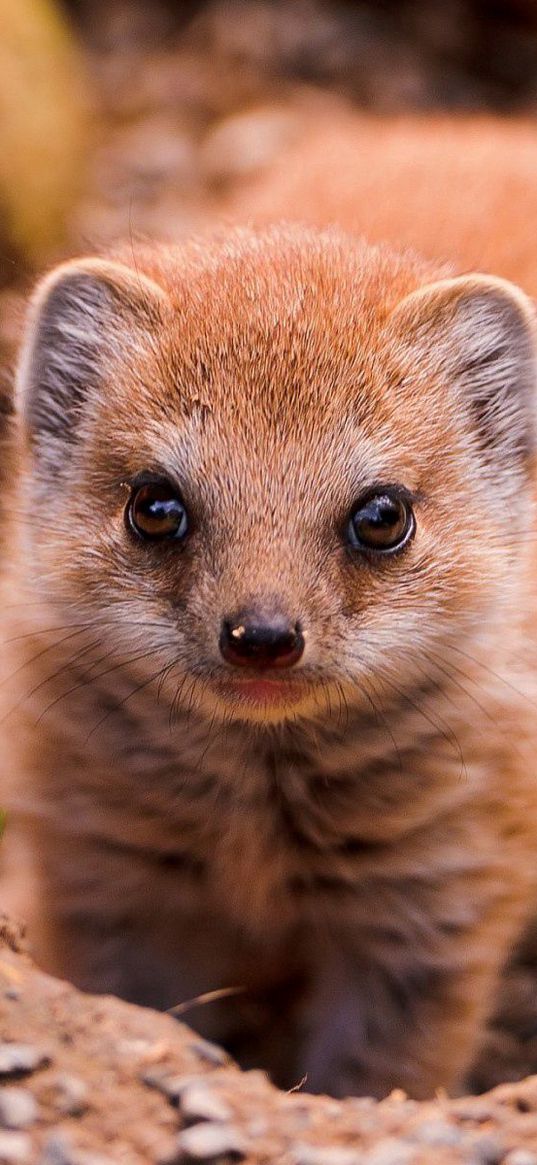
{"x":261,"y":692}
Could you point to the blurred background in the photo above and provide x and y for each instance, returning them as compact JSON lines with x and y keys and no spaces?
{"x":141,"y":117}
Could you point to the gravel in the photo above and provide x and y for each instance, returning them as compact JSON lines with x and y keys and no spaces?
{"x":18,"y":1059}
{"x":18,"y":1109}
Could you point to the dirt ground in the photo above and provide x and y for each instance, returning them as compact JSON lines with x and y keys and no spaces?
{"x":90,"y":1080}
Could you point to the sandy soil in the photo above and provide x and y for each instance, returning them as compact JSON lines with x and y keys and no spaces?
{"x":88,"y":1080}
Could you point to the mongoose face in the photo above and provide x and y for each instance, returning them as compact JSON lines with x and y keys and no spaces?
{"x":280,"y":470}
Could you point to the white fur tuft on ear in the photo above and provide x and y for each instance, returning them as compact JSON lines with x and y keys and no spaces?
{"x":480,"y":332}
{"x":82,"y":315}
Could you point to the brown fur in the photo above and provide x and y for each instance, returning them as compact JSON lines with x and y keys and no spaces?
{"x":360,"y":863}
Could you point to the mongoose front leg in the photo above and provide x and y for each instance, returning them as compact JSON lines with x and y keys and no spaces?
{"x":411,"y":1020}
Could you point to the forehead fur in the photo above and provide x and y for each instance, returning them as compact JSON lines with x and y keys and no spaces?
{"x":278,"y":318}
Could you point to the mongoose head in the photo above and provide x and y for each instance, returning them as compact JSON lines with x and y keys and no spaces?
{"x":279,"y":470}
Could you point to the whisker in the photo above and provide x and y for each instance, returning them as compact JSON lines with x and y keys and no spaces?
{"x":451,"y":671}
{"x":49,"y":678}
{"x":91,"y":679}
{"x":39,"y":655}
{"x":172,"y":717}
{"x":344,"y":703}
{"x":121,"y":703}
{"x":382,"y":721}
{"x":439,"y":726}
{"x":495,"y":675}
{"x":204,"y":752}
{"x":165,"y":673}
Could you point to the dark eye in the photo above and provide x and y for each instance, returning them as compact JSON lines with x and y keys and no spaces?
{"x":382,"y":522}
{"x":156,"y":512}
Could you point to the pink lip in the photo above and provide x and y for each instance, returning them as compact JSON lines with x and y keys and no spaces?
{"x":264,"y":691}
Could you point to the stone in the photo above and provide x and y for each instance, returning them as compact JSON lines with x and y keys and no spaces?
{"x":210,"y":1143}
{"x":60,"y":1150}
{"x":390,"y":1151}
{"x":486,"y":1150}
{"x":316,"y":1155}
{"x":15,"y":1149}
{"x":69,"y":1094}
{"x":198,"y":1102}
{"x":18,"y":1059}
{"x":210,"y":1053}
{"x":473,"y":1109}
{"x":18,"y":1108}
{"x":436,"y":1132}
{"x":171,"y":1086}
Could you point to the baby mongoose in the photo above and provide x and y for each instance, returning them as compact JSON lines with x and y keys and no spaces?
{"x":269,"y":703}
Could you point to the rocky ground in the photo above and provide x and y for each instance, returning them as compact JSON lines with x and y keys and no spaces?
{"x":89,"y":1080}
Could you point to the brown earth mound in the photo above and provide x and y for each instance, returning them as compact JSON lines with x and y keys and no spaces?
{"x":90,"y":1080}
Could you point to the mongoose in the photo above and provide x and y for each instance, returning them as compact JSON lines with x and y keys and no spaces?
{"x":269,"y":695}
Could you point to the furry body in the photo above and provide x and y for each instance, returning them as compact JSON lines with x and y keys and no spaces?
{"x":357,"y":853}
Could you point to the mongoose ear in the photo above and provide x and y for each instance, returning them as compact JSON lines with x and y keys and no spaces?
{"x":480,"y":332}
{"x":84,"y":316}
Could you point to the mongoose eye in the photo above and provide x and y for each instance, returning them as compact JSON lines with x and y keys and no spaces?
{"x":383,"y":522}
{"x":156,"y":512}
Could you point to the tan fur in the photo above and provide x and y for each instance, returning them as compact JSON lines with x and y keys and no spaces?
{"x":362,"y":861}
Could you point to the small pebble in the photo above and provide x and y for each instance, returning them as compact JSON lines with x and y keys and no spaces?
{"x":198,"y":1103}
{"x":210,"y":1053}
{"x":436,"y":1132}
{"x":390,"y":1151}
{"x":313,"y":1155}
{"x":18,"y":1109}
{"x":486,"y":1151}
{"x":17,"y":1059}
{"x":171,"y":1087}
{"x":69,"y":1094}
{"x":210,"y":1143}
{"x":473,"y":1110}
{"x":59,"y":1150}
{"x":520,"y":1157}
{"x":396,"y":1096}
{"x":15,"y":1149}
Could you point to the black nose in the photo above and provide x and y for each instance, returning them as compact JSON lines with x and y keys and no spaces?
{"x":253,"y":641}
